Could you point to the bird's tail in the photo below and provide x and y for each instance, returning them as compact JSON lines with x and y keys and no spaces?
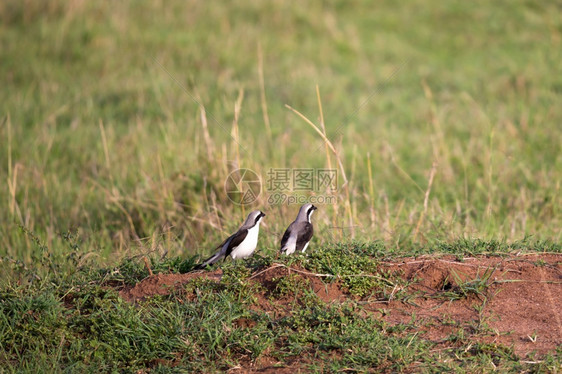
{"x":287,"y":250}
{"x":211,"y":260}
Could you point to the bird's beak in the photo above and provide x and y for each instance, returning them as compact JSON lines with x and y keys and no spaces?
{"x":313,"y":207}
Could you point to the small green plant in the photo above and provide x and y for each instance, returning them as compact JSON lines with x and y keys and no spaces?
{"x":234,"y":272}
{"x":289,"y":285}
{"x":459,"y":336}
{"x":465,"y":288}
{"x":359,"y":273}
{"x":540,"y":263}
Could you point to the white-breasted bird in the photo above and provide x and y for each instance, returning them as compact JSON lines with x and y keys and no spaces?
{"x":298,"y":234}
{"x":241,"y":244}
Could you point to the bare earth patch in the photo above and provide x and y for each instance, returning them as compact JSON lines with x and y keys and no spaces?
{"x":522,"y":305}
{"x":164,"y":284}
{"x":519,"y":305}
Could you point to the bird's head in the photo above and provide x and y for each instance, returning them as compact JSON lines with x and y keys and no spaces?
{"x":306,"y":212}
{"x":254,"y":218}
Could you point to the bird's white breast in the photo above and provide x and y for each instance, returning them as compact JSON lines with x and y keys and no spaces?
{"x":291,"y":245}
{"x":248,"y":245}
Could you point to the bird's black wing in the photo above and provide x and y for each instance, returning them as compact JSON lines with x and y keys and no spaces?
{"x":236,"y":240}
{"x":211,"y":260}
{"x":305,"y":234}
{"x":217,"y":256}
{"x":286,"y":236}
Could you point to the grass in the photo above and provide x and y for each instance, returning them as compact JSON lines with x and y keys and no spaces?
{"x":76,"y":322}
{"x":120,"y":123}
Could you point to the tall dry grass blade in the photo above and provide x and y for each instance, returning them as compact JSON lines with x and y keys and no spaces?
{"x":263,"y":99}
{"x":386,"y":225}
{"x":113,"y":196}
{"x":163,"y":185}
{"x":489,"y":207}
{"x":206,"y":197}
{"x":11,"y":184}
{"x":397,"y":220}
{"x":408,"y":176}
{"x":206,"y":136}
{"x":115,"y":200}
{"x":236,"y":133}
{"x":328,"y":157}
{"x":371,"y":192}
{"x":443,"y":152}
{"x":105,"y":149}
{"x":338,"y":159}
{"x":556,"y":206}
{"x":216,"y":211}
{"x":9,"y":126}
{"x":224,"y":160}
{"x":154,"y":241}
{"x":12,"y":188}
{"x":426,"y":198}
{"x":12,"y":174}
{"x":321,"y":114}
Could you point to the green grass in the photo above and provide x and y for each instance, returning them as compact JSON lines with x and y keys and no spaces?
{"x":445,"y":117}
{"x":78,"y":323}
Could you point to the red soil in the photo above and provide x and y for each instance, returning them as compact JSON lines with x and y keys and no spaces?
{"x":520,"y":307}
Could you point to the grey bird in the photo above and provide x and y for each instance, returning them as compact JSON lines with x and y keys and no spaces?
{"x":241,"y":244}
{"x":298,"y":234}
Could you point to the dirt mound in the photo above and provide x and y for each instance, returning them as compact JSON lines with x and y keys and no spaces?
{"x":515,"y":301}
{"x":164,"y":284}
{"x":327,"y":291}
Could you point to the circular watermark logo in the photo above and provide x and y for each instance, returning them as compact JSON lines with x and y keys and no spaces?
{"x":242,"y":186}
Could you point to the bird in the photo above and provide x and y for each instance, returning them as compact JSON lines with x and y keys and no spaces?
{"x":298,"y":234}
{"x":241,"y":244}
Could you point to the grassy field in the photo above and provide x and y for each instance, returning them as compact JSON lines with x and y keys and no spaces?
{"x":121,"y":121}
